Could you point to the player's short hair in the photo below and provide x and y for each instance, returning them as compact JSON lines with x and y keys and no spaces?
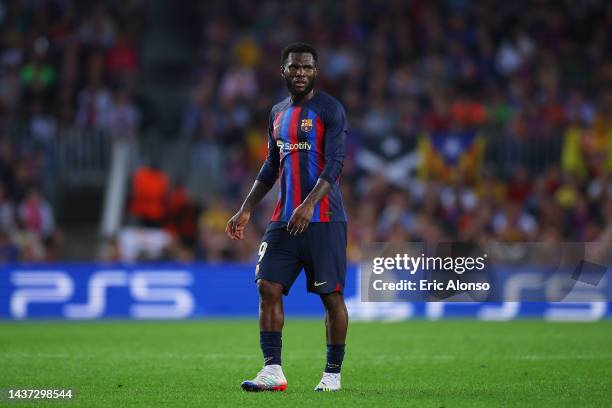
{"x":299,"y":47}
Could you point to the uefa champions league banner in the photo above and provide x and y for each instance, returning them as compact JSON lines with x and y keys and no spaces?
{"x":198,"y":291}
{"x":138,"y":291}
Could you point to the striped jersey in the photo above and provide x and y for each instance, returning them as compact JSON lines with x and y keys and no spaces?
{"x":306,"y":140}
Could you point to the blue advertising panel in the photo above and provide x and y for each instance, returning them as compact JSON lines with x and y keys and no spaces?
{"x":186,"y":291}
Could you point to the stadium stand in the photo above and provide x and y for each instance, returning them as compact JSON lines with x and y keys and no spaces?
{"x":468,"y":120}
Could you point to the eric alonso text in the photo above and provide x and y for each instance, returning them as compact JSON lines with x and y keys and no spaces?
{"x":412,"y":264}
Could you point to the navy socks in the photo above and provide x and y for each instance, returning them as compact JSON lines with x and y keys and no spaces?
{"x":335,"y":355}
{"x":271,"y":344}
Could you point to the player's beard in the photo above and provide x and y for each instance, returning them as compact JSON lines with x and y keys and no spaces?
{"x":296,"y":94}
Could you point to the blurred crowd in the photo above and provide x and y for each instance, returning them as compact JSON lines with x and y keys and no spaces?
{"x":68,"y":63}
{"x":533,"y":81}
{"x":498,"y":114}
{"x":27,"y":223}
{"x":64,"y":65}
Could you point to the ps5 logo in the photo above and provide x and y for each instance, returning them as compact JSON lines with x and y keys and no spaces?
{"x":157,"y":294}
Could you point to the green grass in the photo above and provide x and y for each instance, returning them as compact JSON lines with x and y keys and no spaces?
{"x":421,"y":364}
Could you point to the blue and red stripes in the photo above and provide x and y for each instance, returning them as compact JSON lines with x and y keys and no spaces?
{"x":294,"y":158}
{"x":320,"y":143}
{"x":276,"y":216}
{"x":313,"y":160}
{"x":305,"y":153}
{"x":277,"y":210}
{"x":300,"y":168}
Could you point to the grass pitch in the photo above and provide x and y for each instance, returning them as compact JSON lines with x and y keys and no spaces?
{"x":421,"y":364}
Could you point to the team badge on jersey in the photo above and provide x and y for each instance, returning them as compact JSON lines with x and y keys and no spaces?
{"x":306,"y":125}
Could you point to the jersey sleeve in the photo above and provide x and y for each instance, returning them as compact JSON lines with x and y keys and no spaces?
{"x":335,"y":144}
{"x":269,"y":170}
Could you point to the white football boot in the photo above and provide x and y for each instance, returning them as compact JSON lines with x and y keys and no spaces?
{"x":329,"y":382}
{"x":269,"y":378}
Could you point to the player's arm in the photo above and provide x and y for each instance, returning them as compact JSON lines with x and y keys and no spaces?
{"x":335,"y":151}
{"x":263,"y":184}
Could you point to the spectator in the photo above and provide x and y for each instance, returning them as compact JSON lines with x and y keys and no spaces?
{"x":121,"y":61}
{"x":148,"y":196}
{"x":38,"y":75}
{"x":181,"y":216}
{"x":9,"y":251}
{"x":7,"y":212}
{"x":122,"y":117}
{"x":94,"y":100}
{"x":36,"y":215}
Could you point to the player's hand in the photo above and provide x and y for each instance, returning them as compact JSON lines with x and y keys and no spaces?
{"x":236,"y":224}
{"x":300,"y":219}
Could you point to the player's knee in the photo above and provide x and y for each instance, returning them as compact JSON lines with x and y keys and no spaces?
{"x":333,"y":301}
{"x":269,"y":291}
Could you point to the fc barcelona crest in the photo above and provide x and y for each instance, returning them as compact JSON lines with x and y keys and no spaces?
{"x":306,"y":125}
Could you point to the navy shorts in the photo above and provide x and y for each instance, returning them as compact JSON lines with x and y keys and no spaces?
{"x":320,"y":250}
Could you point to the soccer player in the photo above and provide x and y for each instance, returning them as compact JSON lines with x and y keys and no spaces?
{"x":306,"y":147}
